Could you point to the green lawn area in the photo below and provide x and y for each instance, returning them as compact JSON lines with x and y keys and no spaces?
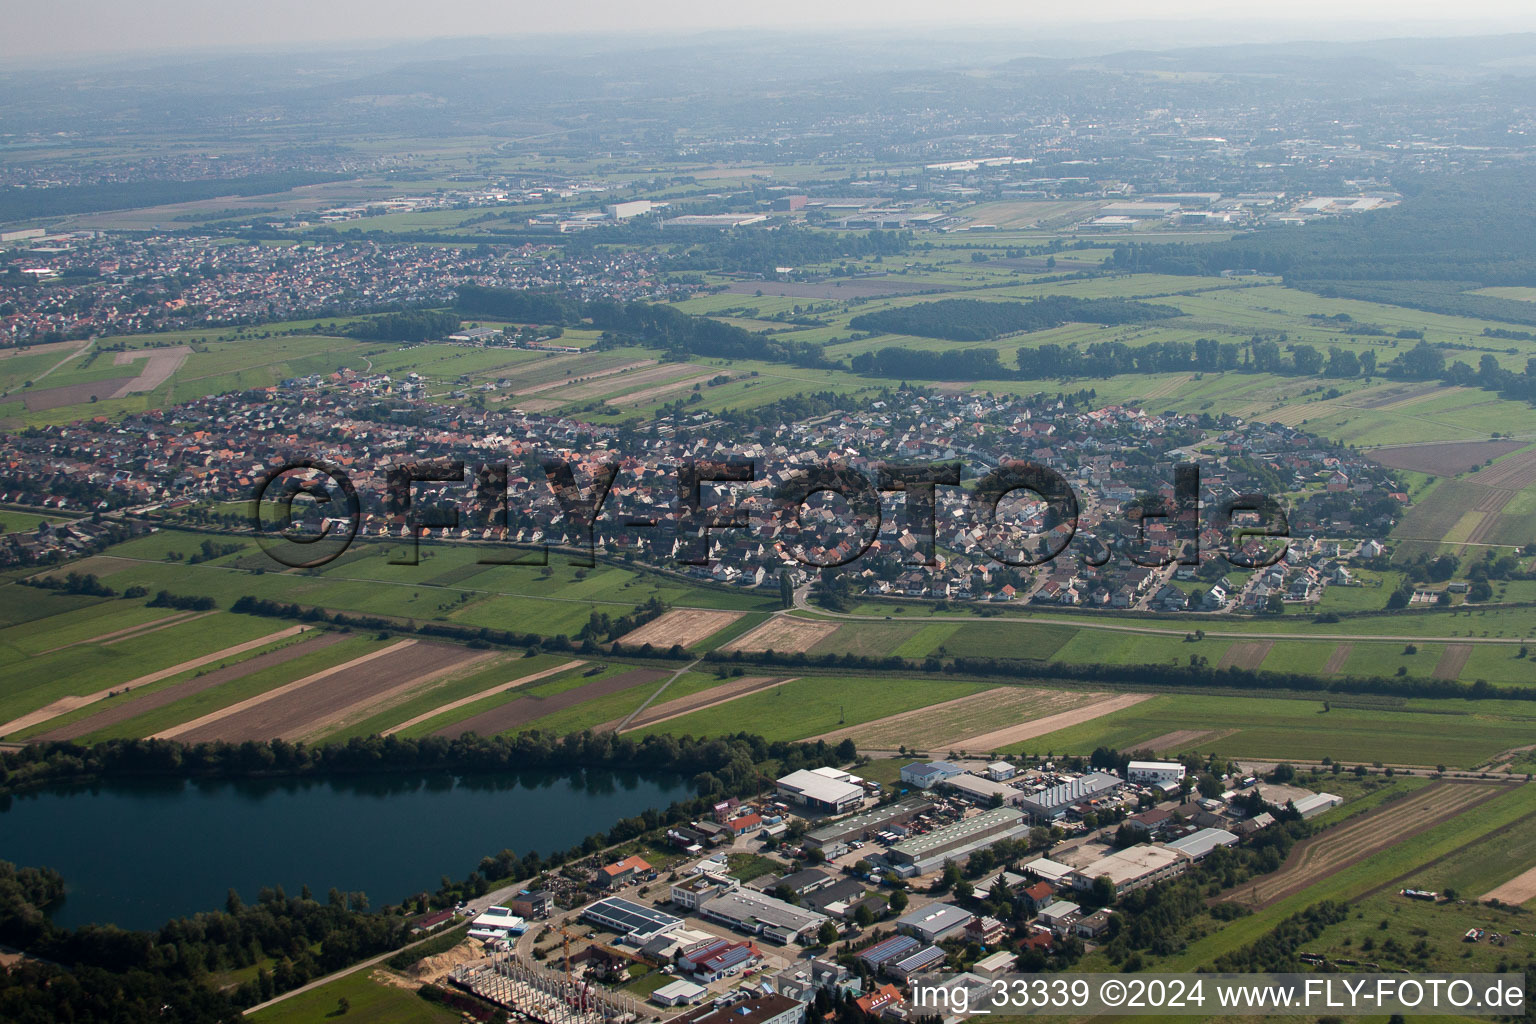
{"x":370,"y":1002}
{"x":747,"y":866}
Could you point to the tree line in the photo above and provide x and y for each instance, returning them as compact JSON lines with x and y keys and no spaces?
{"x":680,"y":335}
{"x":104,"y":973}
{"x":412,"y":326}
{"x":1198,"y":672}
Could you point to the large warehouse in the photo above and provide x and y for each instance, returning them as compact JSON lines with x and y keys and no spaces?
{"x":636,"y":923}
{"x":1133,"y":867}
{"x":982,"y":791}
{"x":952,"y":842}
{"x":1055,"y":802}
{"x":762,"y":915}
{"x":867,"y":823}
{"x":824,"y":789}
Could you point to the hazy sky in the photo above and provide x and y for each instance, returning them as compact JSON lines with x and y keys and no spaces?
{"x":34,"y":31}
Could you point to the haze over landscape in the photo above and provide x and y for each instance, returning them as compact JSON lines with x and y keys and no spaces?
{"x":602,"y":514}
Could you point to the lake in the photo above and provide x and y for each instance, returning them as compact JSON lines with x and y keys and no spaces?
{"x":138,"y":853}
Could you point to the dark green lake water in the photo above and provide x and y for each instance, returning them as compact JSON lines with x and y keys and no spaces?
{"x":136,"y":854}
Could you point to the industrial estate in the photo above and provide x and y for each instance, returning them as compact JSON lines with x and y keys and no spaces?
{"x":720,"y":543}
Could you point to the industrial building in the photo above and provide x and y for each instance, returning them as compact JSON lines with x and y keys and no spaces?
{"x":889,"y":950}
{"x":701,"y":888}
{"x":867,"y":823}
{"x":926,"y":959}
{"x":1001,"y":771}
{"x":982,"y":791}
{"x":1317,"y":803}
{"x":1053,"y":871}
{"x":927,"y":774}
{"x":769,"y":1008}
{"x":1054,"y":802}
{"x":496,"y":923}
{"x":633,"y":208}
{"x":1197,"y":845}
{"x":636,"y":923}
{"x":1133,"y":868}
{"x":825,"y":789}
{"x":713,"y":220}
{"x":678,"y":993}
{"x":1154,"y":772}
{"x":714,"y":959}
{"x":934,"y":921}
{"x":532,"y":903}
{"x":479,"y":335}
{"x":959,"y":839}
{"x":758,"y":914}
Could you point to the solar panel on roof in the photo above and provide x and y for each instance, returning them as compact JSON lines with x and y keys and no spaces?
{"x":897,"y":945}
{"x":623,"y":916}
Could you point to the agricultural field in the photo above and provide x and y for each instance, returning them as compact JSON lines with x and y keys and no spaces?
{"x":1426,"y":733}
{"x":965,"y":723}
{"x":1363,"y":835}
{"x":815,"y":705}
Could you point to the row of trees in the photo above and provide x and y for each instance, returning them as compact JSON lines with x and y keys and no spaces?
{"x":652,"y":325}
{"x":1198,"y":672}
{"x":416,"y":325}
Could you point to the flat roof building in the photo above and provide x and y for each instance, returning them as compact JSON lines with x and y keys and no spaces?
{"x":935,"y":921}
{"x":824,"y":789}
{"x":678,"y":993}
{"x":1133,"y":868}
{"x":1055,"y":802}
{"x":959,"y":839}
{"x":770,"y":1008}
{"x":635,"y":922}
{"x":762,"y":915}
{"x":1197,"y":845}
{"x":865,"y":823}
{"x":982,"y":791}
{"x":927,"y":774}
{"x":1154,"y":771}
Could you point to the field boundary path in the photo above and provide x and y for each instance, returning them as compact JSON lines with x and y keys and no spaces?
{"x":121,"y":711}
{"x":714,"y":697}
{"x":1518,"y":890}
{"x":380,"y":702}
{"x":999,"y":738}
{"x":647,"y":703}
{"x":482,"y":695}
{"x":1355,"y":839}
{"x":127,"y":632}
{"x":262,"y":698}
{"x":64,"y":705}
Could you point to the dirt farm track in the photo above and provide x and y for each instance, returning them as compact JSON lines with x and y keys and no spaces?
{"x":1343,"y":845}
